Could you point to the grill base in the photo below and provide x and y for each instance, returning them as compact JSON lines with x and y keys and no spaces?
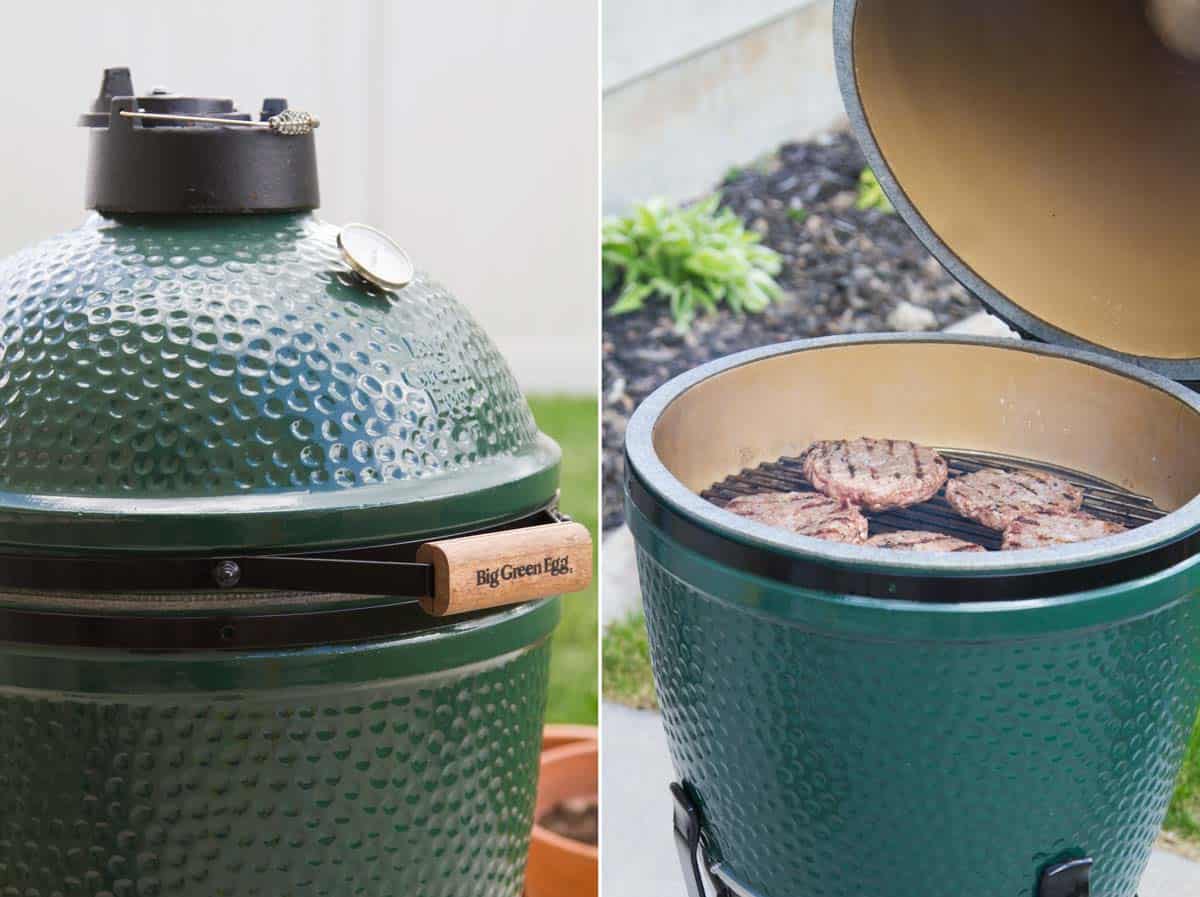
{"x":1100,"y":497}
{"x":1014,"y":735}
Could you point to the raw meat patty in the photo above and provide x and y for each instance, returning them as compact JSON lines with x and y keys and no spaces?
{"x":875,"y":474}
{"x":998,"y":497}
{"x":918,"y":540}
{"x":806,"y":513}
{"x":1040,"y":530}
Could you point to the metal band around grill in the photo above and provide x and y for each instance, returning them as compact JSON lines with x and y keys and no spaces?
{"x":808,"y":573}
{"x":212,"y":632}
{"x":322,"y":598}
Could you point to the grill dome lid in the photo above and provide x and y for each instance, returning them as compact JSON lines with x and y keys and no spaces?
{"x":205,"y":382}
{"x":1043,"y":152}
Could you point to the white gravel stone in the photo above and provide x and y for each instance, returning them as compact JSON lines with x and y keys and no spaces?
{"x":983,"y":324}
{"x":907,"y":316}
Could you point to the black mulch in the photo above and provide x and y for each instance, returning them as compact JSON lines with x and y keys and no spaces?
{"x":844,"y":271}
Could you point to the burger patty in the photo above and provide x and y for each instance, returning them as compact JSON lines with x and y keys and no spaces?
{"x":918,"y":540}
{"x":806,"y":513}
{"x":996,"y":498}
{"x":875,"y":474}
{"x":1050,"y":528}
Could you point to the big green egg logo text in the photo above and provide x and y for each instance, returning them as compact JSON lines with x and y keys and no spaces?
{"x":492,"y":577}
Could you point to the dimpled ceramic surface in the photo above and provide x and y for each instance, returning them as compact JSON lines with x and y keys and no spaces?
{"x":219,"y":356}
{"x":841,"y":766}
{"x":418,"y":786}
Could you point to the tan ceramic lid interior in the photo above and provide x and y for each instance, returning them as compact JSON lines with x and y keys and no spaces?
{"x":1055,"y":149}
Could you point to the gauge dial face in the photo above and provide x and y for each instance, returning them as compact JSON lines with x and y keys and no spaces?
{"x":375,"y":256}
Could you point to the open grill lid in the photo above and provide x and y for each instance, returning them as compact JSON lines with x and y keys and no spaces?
{"x":1045,"y":154}
{"x":207,"y":383}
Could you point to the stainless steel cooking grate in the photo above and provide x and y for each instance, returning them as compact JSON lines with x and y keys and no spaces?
{"x":1099,"y":496}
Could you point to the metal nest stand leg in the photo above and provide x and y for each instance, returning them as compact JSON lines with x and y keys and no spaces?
{"x":686,"y":819}
{"x":1071,"y":878}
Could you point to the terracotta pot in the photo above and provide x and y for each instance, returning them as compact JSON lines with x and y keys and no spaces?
{"x":556,"y":735}
{"x":559,"y":866}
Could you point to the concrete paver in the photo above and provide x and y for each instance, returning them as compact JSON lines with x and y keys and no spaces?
{"x":620,"y":592}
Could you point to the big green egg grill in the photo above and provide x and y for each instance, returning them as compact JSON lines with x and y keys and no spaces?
{"x":847,"y":720}
{"x":243,"y":475}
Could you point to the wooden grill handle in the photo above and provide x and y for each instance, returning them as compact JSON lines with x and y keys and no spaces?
{"x":509,"y":567}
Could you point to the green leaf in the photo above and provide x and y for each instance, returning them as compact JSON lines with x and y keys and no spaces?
{"x":694,"y":258}
{"x":871,"y":195}
{"x":631,"y":298}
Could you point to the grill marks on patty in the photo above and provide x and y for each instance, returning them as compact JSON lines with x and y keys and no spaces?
{"x":875,"y":474}
{"x":806,"y":513}
{"x":1039,"y":530}
{"x":996,"y":498}
{"x":1032,"y":508}
{"x":919,"y":540}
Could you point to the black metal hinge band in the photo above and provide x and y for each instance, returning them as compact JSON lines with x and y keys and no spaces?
{"x":351,"y":576}
{"x":154,"y":604}
{"x":384,"y":570}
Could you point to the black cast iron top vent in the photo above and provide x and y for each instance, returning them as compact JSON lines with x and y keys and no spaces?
{"x":150,"y":155}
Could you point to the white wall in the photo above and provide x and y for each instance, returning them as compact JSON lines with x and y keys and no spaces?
{"x":725,"y":82}
{"x":639,"y":37}
{"x":467,"y":130}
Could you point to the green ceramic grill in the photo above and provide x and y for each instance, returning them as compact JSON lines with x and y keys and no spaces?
{"x":263,"y":490}
{"x":849,"y":720}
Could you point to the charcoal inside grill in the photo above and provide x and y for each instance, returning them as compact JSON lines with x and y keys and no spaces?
{"x":1101,"y":498}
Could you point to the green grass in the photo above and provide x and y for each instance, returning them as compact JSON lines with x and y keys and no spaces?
{"x":573,"y":424}
{"x":627,"y":676}
{"x":1183,"y":818}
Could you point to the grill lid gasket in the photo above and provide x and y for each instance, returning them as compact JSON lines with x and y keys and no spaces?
{"x":945,"y":578}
